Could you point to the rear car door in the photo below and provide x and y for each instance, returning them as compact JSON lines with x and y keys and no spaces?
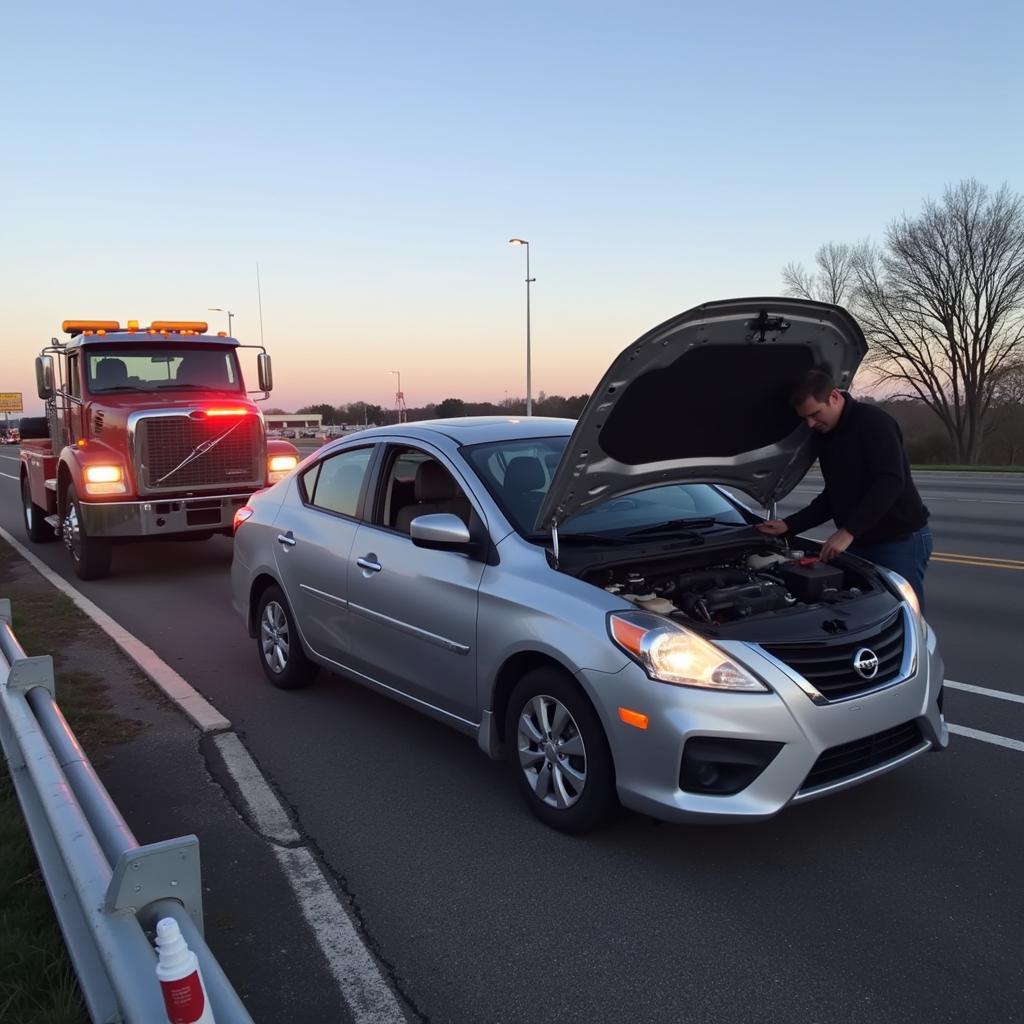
{"x":315,"y":531}
{"x":414,"y":610}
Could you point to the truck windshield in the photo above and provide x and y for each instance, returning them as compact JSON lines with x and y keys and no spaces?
{"x":160,"y":368}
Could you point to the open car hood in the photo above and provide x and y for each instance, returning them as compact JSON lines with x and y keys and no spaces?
{"x":704,"y":398}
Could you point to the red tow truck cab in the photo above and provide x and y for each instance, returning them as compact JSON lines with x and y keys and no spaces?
{"x":149,"y":434}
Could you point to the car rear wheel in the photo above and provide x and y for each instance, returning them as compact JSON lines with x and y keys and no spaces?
{"x":91,"y":555}
{"x":37,"y":528}
{"x":558,"y":752}
{"x":277,"y":640}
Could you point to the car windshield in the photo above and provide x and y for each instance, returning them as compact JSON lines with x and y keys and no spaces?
{"x":162,"y":368}
{"x":518,"y":474}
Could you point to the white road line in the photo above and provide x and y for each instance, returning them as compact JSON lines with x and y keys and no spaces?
{"x":197,"y":707}
{"x":10,"y":457}
{"x":984,"y":691}
{"x":8,"y":475}
{"x":266,"y":810}
{"x":987,"y":737}
{"x":369,"y":999}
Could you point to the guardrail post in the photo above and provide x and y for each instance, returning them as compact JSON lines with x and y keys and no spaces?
{"x":165,"y":870}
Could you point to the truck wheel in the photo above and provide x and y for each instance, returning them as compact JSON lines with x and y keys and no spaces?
{"x":283,"y":660}
{"x":558,"y":752}
{"x":37,"y":528}
{"x":90,"y":555}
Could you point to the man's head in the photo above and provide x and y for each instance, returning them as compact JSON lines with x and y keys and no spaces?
{"x":817,"y":401}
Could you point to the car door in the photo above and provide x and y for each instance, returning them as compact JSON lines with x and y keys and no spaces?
{"x":315,"y":530}
{"x":414,"y":610}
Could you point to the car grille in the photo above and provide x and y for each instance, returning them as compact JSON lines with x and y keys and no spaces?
{"x":166,"y":441}
{"x":828,"y":665}
{"x":849,"y":759}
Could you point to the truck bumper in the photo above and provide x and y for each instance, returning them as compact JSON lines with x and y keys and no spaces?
{"x":163,"y":517}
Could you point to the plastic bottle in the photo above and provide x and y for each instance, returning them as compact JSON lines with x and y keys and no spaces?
{"x":181,"y":983}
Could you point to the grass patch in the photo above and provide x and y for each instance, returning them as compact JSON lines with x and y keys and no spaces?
{"x":37,"y":982}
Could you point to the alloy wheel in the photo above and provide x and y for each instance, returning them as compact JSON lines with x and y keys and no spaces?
{"x":552,"y":754}
{"x":274,"y":636}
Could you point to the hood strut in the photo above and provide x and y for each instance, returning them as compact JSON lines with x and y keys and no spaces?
{"x":554,"y":542}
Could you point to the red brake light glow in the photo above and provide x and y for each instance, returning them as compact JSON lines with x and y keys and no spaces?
{"x":226,"y":412}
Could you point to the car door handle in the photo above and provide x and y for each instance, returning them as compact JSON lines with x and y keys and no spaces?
{"x":369,"y":563}
{"x":286,"y":539}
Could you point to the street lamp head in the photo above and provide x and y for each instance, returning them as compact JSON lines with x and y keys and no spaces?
{"x":518,"y":241}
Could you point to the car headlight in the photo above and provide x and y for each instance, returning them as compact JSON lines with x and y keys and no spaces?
{"x":104,"y":480}
{"x":672,"y":654}
{"x":279,"y":466}
{"x":905,"y":591}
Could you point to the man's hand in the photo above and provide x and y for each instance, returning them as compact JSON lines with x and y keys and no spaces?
{"x":836,"y":545}
{"x":773,"y":527}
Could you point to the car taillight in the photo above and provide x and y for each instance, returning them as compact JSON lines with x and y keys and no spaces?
{"x":241,"y":515}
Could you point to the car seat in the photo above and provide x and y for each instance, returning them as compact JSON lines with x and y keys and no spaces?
{"x":110,"y":373}
{"x":436,"y":491}
{"x":523,"y":489}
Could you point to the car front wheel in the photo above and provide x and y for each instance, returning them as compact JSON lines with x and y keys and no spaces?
{"x":277,"y":640}
{"x":559,"y":753}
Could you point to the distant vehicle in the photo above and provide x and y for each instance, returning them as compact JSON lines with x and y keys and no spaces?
{"x":149,"y":434}
{"x":588,"y":600}
{"x":308,"y":433}
{"x":10,"y":437}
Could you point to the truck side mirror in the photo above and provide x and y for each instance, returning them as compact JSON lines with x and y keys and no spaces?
{"x":44,"y":377}
{"x":265,"y":372}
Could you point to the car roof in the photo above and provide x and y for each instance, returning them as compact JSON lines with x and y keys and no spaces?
{"x":472,"y":429}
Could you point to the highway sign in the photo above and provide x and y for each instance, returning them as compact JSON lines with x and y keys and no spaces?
{"x":10,"y":401}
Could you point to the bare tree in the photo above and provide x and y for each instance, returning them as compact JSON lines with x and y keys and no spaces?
{"x":834,"y":279}
{"x":942,"y":305}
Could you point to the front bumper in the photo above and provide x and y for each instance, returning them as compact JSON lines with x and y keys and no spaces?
{"x":647,"y":762}
{"x":155,"y":518}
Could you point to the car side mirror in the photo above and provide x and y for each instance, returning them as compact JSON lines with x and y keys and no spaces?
{"x":44,"y":377}
{"x":265,"y":372}
{"x":441,"y":531}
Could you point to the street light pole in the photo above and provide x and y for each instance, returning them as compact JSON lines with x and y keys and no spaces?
{"x":217,"y":309}
{"x":529,"y":281}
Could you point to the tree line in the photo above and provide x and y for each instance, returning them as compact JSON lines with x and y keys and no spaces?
{"x":357,"y":413}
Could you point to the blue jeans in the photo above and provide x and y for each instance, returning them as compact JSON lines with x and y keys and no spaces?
{"x":907,"y":557}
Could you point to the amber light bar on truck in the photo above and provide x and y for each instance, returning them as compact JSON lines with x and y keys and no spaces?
{"x":74,"y":327}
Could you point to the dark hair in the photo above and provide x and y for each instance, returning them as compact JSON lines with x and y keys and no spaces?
{"x":814,"y":383}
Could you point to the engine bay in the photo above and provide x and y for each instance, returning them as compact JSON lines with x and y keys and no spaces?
{"x":749,"y":584}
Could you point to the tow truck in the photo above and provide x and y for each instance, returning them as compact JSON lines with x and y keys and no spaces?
{"x":149,"y":434}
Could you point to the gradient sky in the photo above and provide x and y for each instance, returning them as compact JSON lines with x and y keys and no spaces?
{"x":375,"y":159}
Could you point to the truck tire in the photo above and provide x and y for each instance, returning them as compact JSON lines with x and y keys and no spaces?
{"x":90,"y":555}
{"x":33,"y":428}
{"x":38,"y":530}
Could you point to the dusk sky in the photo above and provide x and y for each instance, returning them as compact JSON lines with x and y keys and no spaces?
{"x":376,"y":158}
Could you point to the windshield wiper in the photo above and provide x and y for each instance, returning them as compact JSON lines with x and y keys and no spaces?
{"x":121,"y":387}
{"x":684,"y":526}
{"x":186,"y":387}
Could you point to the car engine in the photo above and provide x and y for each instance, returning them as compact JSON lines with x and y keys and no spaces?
{"x":752,"y":584}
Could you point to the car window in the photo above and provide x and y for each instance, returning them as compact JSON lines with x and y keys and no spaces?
{"x":414,"y":484}
{"x":336,"y":485}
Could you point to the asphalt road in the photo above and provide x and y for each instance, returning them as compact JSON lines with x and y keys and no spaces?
{"x":900,"y":900}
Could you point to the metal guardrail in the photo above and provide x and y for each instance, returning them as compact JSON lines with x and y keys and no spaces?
{"x":106,"y":889}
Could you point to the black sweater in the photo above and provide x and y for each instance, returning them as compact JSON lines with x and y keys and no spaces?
{"x":868,"y":487}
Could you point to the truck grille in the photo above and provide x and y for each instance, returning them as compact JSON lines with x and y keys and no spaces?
{"x":828,"y":665}
{"x":166,"y":441}
{"x":849,"y":759}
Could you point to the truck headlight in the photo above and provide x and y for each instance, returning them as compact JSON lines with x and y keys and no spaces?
{"x":905,"y":591}
{"x":104,"y":480}
{"x":279,"y":466}
{"x":672,"y":654}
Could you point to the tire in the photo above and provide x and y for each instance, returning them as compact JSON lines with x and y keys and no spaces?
{"x":278,"y":646}
{"x":90,"y":555}
{"x":572,"y":790}
{"x":37,"y":529}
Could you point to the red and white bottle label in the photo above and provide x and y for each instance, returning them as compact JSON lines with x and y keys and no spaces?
{"x":184,"y":999}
